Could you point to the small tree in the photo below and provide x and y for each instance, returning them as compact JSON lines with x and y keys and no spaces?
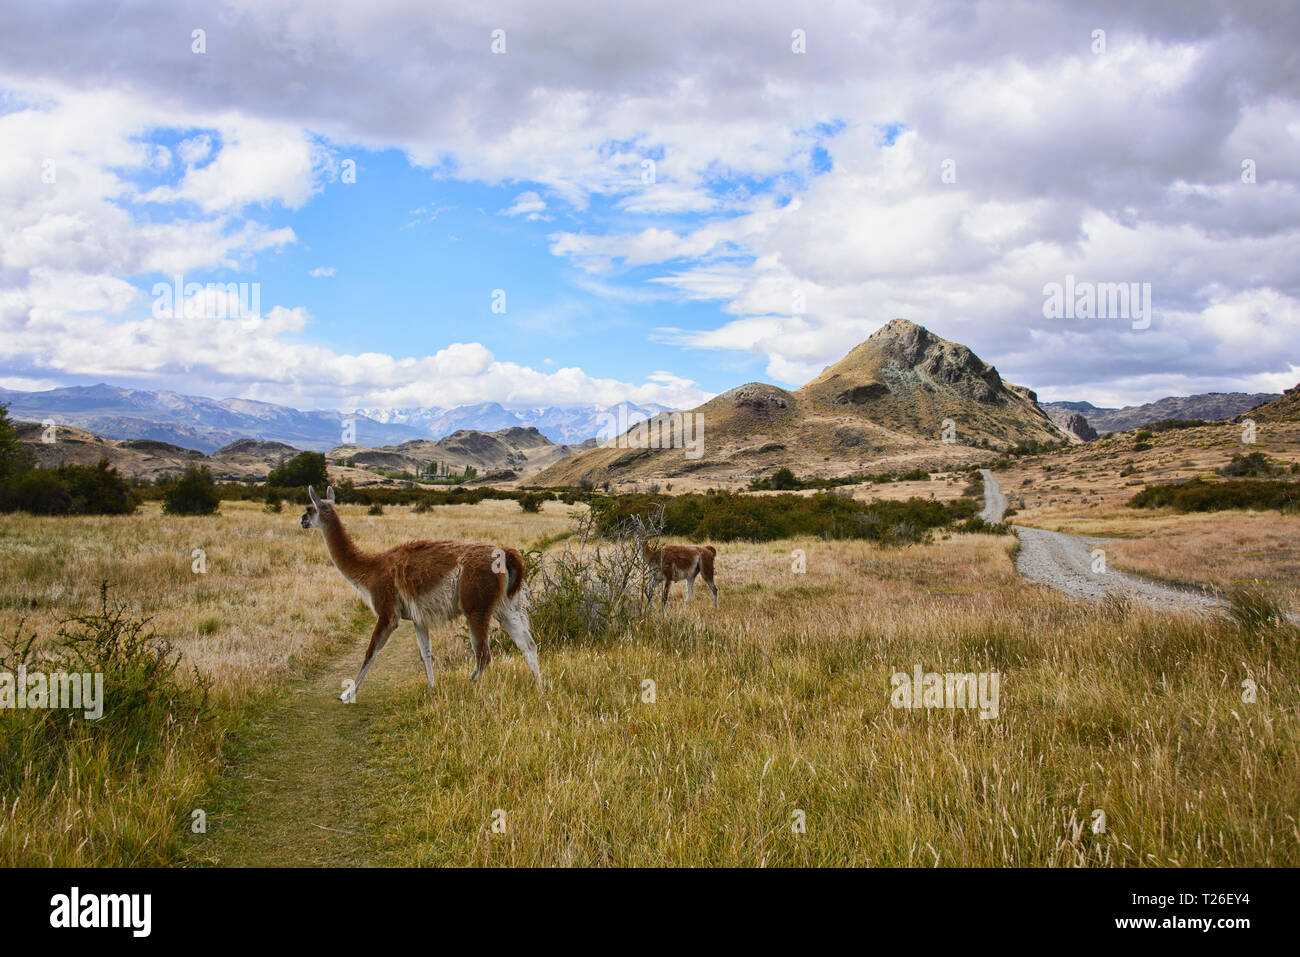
{"x":194,"y":493}
{"x":15,"y":459}
{"x":783,"y":480}
{"x":305,"y":468}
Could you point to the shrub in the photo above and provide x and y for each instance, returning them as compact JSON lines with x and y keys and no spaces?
{"x":305,"y":468}
{"x":531,"y":502}
{"x":1254,"y":465}
{"x":1199,"y":495}
{"x":15,"y":458}
{"x":727,"y":516}
{"x":783,"y":480}
{"x":155,"y":721}
{"x":71,"y":490}
{"x":273,"y":502}
{"x":1166,"y":425}
{"x":39,"y":492}
{"x":194,"y":493}
{"x":376,"y":509}
{"x":598,"y":587}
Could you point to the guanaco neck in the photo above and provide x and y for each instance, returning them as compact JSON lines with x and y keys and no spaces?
{"x":348,"y":558}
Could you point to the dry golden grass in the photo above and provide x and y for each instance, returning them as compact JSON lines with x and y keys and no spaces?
{"x":270,"y":598}
{"x":777,"y":702}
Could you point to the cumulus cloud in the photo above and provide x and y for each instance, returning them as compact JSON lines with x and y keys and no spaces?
{"x":1016,"y":155}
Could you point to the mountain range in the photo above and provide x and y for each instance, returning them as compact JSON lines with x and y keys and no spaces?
{"x":1211,"y":406}
{"x":204,"y":424}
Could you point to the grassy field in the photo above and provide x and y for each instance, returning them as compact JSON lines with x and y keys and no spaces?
{"x":767,"y":736}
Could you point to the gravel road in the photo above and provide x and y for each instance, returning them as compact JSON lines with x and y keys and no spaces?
{"x":1065,"y":562}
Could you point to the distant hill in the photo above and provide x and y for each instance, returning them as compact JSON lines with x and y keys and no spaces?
{"x":884,"y":405}
{"x":1284,"y":408}
{"x":516,"y":451}
{"x":1211,"y":406}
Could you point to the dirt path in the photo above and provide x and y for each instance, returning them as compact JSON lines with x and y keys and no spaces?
{"x":294,"y":792}
{"x":1067,"y":563}
{"x":995,"y":503}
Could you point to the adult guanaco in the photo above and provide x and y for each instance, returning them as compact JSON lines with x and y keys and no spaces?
{"x":427,"y":583}
{"x":674,"y":563}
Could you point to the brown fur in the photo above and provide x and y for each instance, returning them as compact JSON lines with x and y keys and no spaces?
{"x":411,"y":581}
{"x":672,"y":563}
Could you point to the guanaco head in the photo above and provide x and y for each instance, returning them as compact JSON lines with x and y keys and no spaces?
{"x":313,"y":517}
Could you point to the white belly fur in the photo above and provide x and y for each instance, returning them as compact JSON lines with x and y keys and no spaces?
{"x":432,"y":608}
{"x":436,"y":605}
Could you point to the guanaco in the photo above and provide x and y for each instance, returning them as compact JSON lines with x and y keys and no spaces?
{"x":427,"y":583}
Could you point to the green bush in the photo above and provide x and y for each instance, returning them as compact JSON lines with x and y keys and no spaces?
{"x":194,"y":493}
{"x":305,"y":468}
{"x":531,"y":502}
{"x":728,"y":516}
{"x":1200,"y":495}
{"x":1254,"y":465}
{"x":15,"y":458}
{"x":1167,"y":425}
{"x":145,"y":699}
{"x":70,"y":490}
{"x":40,"y":492}
{"x":376,"y":509}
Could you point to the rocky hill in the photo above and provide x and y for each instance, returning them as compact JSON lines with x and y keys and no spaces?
{"x":1285,"y":408}
{"x":517,"y":450}
{"x":904,"y":398}
{"x":1074,"y":425}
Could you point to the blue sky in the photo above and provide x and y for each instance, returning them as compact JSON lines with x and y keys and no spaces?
{"x":801,"y":196}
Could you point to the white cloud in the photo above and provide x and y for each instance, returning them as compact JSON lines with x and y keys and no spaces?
{"x":528,"y":204}
{"x":1125,"y":166}
{"x":322,"y":271}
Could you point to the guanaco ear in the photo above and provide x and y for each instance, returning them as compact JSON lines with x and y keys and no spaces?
{"x":311,"y":494}
{"x":329,"y":495}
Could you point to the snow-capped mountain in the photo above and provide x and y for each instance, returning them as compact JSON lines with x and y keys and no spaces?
{"x":197,"y":422}
{"x":560,"y":425}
